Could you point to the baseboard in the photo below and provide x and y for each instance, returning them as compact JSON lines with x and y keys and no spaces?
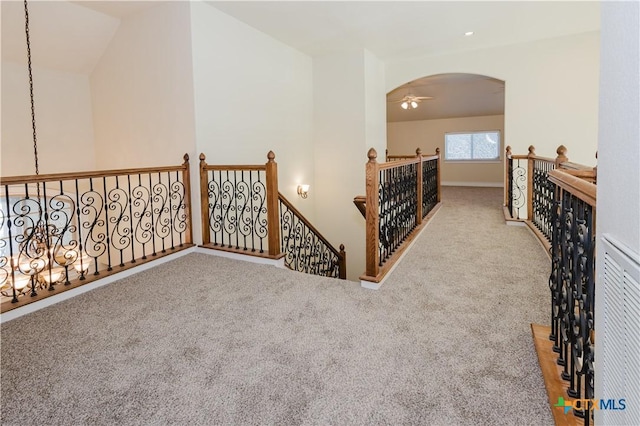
{"x":279,"y":263}
{"x":481,"y":184}
{"x":57,"y":298}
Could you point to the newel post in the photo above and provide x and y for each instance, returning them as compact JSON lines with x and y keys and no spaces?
{"x":530,"y":166}
{"x":507,"y":175}
{"x":273,"y":215}
{"x":342,"y":267}
{"x":562,"y":156}
{"x":373,"y":215}
{"x":419,"y":187}
{"x":186,"y":181}
{"x":204,"y":200}
{"x":439,"y":182}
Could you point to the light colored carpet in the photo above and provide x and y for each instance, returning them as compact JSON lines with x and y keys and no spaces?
{"x":207,"y":340}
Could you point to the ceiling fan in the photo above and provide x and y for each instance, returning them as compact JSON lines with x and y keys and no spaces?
{"x":411,"y":101}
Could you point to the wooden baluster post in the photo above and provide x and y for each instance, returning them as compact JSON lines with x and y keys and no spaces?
{"x":507,"y":157}
{"x":562,"y":156}
{"x":204,"y":200}
{"x":530,"y":165}
{"x":373,"y":215}
{"x":342,"y":267}
{"x":186,"y":181}
{"x":273,"y":211}
{"x":419,"y":187}
{"x":439,"y":182}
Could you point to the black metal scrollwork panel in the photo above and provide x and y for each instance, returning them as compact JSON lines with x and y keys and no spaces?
{"x":58,"y":232}
{"x":429,"y":186}
{"x":543,"y":191}
{"x":572,"y":285}
{"x":397,"y":194}
{"x":303,"y":250}
{"x":517,"y":187}
{"x":237,"y":209}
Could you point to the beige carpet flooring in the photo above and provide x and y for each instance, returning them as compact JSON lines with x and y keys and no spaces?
{"x":211,"y":341}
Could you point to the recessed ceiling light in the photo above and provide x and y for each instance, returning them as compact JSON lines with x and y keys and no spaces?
{"x":469,"y":33}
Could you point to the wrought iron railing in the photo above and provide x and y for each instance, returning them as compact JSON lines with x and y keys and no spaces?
{"x":543,"y":193}
{"x":400,"y":195}
{"x":238,"y":208}
{"x":60,"y":231}
{"x":529,"y":192}
{"x":516,"y":189}
{"x":243,"y":212}
{"x":430,"y":184}
{"x":572,"y":285}
{"x":304,"y":247}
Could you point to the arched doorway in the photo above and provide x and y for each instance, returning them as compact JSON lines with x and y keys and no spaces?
{"x":462,"y":115}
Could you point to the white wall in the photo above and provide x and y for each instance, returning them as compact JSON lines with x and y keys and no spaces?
{"x":403,"y":137}
{"x":253,"y":94}
{"x":349,"y":117}
{"x":618,"y":204}
{"x":63,"y":121}
{"x":551,"y":90}
{"x":142,"y":91}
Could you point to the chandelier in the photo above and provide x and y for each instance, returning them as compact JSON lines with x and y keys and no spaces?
{"x":40,"y":262}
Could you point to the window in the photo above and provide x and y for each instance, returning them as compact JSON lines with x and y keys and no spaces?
{"x":474,"y":146}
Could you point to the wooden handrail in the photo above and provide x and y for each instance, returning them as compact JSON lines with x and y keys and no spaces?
{"x":360,"y":202}
{"x":26,"y":179}
{"x":582,"y":189}
{"x":568,"y":165}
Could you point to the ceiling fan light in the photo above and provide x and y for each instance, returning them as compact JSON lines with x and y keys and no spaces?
{"x":414,"y":104}
{"x":404,"y":105}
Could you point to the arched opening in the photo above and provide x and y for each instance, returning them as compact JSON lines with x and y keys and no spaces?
{"x":462,"y":115}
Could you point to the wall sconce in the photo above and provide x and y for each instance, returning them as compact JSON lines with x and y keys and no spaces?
{"x":303,"y":190}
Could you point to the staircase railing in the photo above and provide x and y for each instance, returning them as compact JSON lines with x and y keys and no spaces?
{"x":243,"y":212}
{"x":60,"y":231}
{"x":528,"y":191}
{"x":304,"y":247}
{"x":572,"y":284}
{"x":401,"y":194}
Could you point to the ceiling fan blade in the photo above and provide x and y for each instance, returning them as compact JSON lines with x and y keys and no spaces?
{"x":423,"y":98}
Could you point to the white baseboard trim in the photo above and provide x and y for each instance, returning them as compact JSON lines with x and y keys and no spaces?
{"x":57,"y":298}
{"x":376,"y":286}
{"x":481,"y":184}
{"x":370,"y":285}
{"x":278,"y":263}
{"x":515,"y":223}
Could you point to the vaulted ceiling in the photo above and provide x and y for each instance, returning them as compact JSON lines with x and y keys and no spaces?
{"x":72,"y":35}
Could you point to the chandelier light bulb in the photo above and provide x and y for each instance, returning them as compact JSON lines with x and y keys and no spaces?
{"x":414,"y":104}
{"x":404,"y":105}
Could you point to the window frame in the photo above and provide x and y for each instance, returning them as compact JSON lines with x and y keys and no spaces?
{"x":498,"y":159}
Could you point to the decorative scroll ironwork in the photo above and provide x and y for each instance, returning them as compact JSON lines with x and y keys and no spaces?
{"x":429,"y":186}
{"x":517,"y":186}
{"x":237,"y":209}
{"x":543,"y":192}
{"x":75,"y":227}
{"x":397,"y":194}
{"x":303,"y":247}
{"x":572,"y":285}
